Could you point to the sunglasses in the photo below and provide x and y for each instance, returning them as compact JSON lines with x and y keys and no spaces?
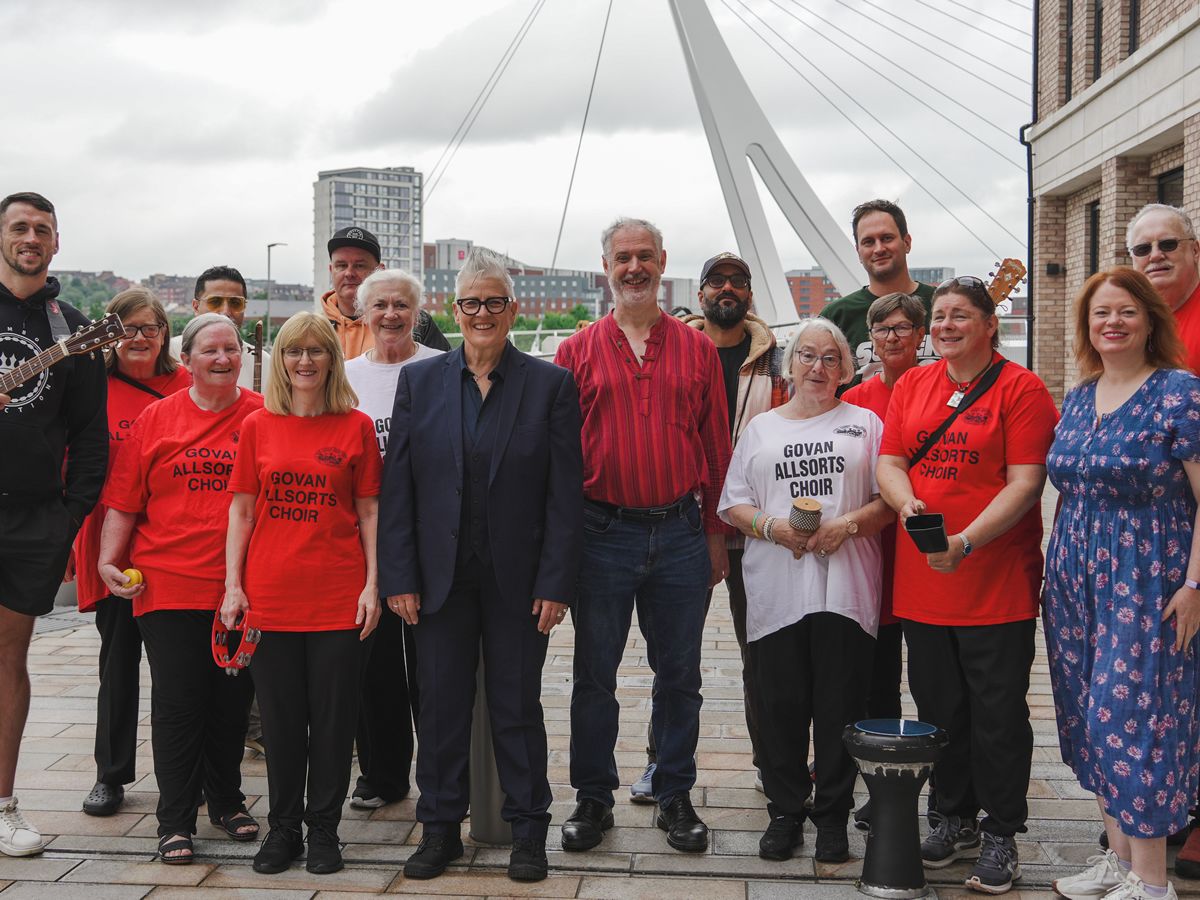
{"x":970,"y":282}
{"x":1169,"y":245}
{"x":215,"y":303}
{"x":716,"y":280}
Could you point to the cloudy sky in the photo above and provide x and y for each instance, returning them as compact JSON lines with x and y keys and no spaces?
{"x":176,"y":136}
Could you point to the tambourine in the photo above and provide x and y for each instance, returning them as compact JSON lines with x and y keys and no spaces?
{"x":241,"y":657}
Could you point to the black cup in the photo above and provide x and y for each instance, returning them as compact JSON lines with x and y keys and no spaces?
{"x":928,"y":532}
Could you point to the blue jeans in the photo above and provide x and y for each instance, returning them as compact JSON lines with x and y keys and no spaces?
{"x":662,"y":567}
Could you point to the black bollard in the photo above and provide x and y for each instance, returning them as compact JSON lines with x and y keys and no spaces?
{"x":895,"y":757}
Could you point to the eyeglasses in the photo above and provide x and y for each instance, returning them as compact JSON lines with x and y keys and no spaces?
{"x":903,"y":330}
{"x":314,"y":353}
{"x":471,"y":305}
{"x":215,"y":303}
{"x":149,"y":331}
{"x":717,"y":280}
{"x":1169,"y":245}
{"x":808,"y":358}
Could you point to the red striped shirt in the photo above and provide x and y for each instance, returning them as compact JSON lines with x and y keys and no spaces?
{"x":654,"y":432}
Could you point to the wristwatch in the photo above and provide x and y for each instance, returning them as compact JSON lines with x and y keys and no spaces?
{"x":851,"y":526}
{"x":967,"y":548}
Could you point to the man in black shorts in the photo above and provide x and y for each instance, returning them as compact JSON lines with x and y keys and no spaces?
{"x":41,"y":504}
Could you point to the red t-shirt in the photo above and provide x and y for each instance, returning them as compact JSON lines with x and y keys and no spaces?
{"x":125,"y":402}
{"x":173,"y":471}
{"x":874,"y":395}
{"x":305,"y":567}
{"x":1011,"y":424}
{"x":1187,"y":322}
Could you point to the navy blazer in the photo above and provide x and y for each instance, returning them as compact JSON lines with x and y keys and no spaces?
{"x":535,"y":492}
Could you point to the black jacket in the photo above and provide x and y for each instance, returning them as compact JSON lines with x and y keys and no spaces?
{"x":63,"y":408}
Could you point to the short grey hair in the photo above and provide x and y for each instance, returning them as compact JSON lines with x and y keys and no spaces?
{"x":817,"y":323}
{"x":396,"y":279}
{"x":909,"y":304}
{"x":481,"y":263}
{"x":199,"y":323}
{"x":621,"y":222}
{"x":1185,"y":221}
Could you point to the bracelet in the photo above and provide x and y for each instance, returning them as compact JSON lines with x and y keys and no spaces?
{"x":769,"y":529}
{"x":1194,"y":585}
{"x":754,"y":524}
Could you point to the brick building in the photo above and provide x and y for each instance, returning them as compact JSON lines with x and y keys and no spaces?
{"x":1117,"y":125}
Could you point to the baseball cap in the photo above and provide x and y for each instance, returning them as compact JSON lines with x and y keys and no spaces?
{"x":730,"y":258}
{"x":355,"y":237}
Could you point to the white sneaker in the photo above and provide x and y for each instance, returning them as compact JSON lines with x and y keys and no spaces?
{"x":1102,"y":875}
{"x":1133,"y":888}
{"x":18,"y":837}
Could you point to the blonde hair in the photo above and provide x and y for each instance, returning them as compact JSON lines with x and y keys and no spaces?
{"x":339,"y":396}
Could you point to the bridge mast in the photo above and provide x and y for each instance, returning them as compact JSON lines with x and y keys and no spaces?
{"x":738,"y":134}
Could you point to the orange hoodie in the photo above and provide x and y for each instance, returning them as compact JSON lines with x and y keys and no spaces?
{"x":353,"y":334}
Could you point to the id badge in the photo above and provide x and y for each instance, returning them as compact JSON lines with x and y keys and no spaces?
{"x":955,"y":399}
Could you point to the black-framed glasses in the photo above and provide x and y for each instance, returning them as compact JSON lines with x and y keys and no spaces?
{"x":1167,"y":245}
{"x":152,"y":330}
{"x":902,"y":330}
{"x":214,"y":303}
{"x":471,"y":305}
{"x":717,"y":280}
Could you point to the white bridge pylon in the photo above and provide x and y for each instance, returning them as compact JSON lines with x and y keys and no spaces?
{"x":739,"y":134}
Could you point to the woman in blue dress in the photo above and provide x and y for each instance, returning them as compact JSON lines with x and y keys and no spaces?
{"x":1122,"y":599}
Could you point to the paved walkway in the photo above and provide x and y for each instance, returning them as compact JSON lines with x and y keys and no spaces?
{"x":114,"y":858}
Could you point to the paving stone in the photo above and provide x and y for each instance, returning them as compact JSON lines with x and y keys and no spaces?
{"x":353,"y":878}
{"x":602,"y":887}
{"x":34,"y":868}
{"x":124,"y":872}
{"x":71,"y":891}
{"x":487,"y":884}
{"x":224,"y":893}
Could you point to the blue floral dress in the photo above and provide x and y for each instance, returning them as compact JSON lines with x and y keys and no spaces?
{"x":1124,"y":698}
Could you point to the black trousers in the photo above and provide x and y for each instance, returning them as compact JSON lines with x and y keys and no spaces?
{"x":117,"y":698}
{"x":817,"y":671}
{"x":448,"y":644}
{"x":197,"y":719}
{"x":308,"y":685}
{"x":883,"y":698}
{"x":972,"y":681}
{"x":385,"y":718}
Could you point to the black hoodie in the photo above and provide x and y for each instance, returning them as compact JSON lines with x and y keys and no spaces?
{"x":63,"y":408}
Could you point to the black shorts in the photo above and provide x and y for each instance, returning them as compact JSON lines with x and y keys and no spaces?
{"x":35,"y":542}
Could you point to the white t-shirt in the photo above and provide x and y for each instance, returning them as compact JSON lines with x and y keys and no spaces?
{"x":246,"y":376}
{"x":375,"y":384}
{"x":830,"y":458}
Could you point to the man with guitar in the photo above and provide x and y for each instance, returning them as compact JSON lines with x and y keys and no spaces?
{"x":51,"y":414}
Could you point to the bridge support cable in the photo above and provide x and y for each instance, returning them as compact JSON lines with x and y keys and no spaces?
{"x":917,"y":182}
{"x":481,"y":99}
{"x":990,"y":34}
{"x":739,"y":135}
{"x":895,"y":83}
{"x":978,"y":12}
{"x":582,"y":128}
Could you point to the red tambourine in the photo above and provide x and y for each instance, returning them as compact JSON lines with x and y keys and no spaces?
{"x":240,"y":658}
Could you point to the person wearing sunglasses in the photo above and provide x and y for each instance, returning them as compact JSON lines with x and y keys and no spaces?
{"x":480,"y":536}
{"x":812,"y":597}
{"x":969,"y":612}
{"x":222,"y":289}
{"x":1162,"y":243}
{"x":140,"y":371}
{"x":882,"y":241}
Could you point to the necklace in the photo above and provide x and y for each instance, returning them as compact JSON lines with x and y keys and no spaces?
{"x":961,"y":387}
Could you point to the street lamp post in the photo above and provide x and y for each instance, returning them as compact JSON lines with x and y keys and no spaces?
{"x":267,"y":329}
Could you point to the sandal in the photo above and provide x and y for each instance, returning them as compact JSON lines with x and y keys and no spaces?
{"x":175,"y":843}
{"x":232,"y":822}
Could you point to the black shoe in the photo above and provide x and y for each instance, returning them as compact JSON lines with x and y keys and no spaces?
{"x":434,"y":853}
{"x":104,"y":799}
{"x":324,"y":851}
{"x":684,"y":829}
{"x":528,"y":860}
{"x":862,"y":817}
{"x":585,"y":829}
{"x":783,"y":835}
{"x":280,"y":847}
{"x":832,"y":844}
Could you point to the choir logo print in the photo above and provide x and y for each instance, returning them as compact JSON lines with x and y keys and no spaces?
{"x":16,"y":349}
{"x":331,"y":456}
{"x":978,"y":416}
{"x":851,"y":430}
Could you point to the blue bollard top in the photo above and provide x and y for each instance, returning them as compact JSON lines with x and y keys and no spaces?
{"x":895,"y":727}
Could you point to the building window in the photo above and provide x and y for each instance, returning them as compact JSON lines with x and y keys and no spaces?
{"x":1097,"y":36}
{"x":1135,"y":24}
{"x":1093,"y":237}
{"x":1170,"y":187}
{"x":1069,"y":54}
